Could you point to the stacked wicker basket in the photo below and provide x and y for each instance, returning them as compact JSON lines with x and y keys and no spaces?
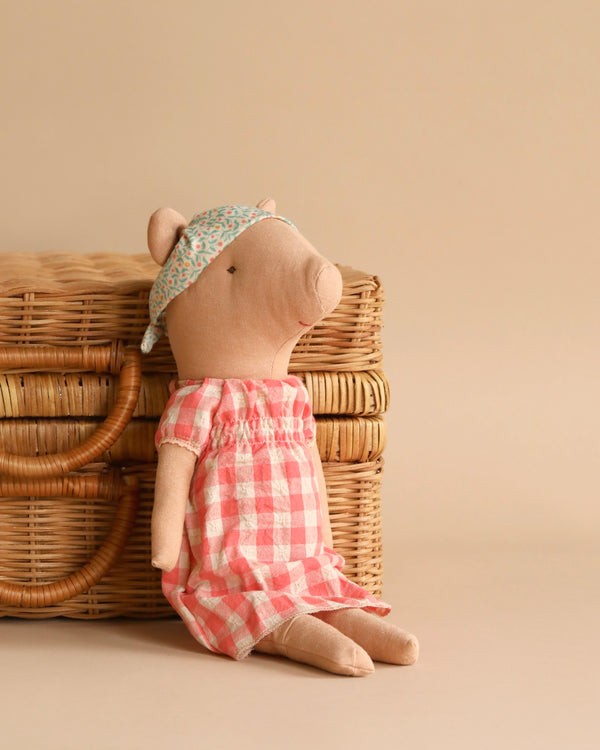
{"x":79,"y":407}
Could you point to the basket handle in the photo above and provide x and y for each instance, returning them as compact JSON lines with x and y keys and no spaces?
{"x":114,"y":359}
{"x":34,"y":596}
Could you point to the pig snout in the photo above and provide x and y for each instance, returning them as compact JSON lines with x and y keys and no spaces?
{"x":320,"y":294}
{"x":328,"y":286}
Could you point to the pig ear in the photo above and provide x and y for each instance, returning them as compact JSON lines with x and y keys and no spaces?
{"x":164,"y":230}
{"x":267,"y":204}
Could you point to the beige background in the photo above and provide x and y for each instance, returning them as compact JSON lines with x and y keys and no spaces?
{"x":451,"y":148}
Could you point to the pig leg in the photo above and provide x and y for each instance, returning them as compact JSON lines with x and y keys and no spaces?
{"x":309,"y":640}
{"x":383,"y":641}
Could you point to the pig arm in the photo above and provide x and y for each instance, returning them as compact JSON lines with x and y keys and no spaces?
{"x":173,"y":476}
{"x":326,"y":524}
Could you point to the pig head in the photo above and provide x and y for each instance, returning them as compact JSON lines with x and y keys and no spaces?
{"x":245,"y":312}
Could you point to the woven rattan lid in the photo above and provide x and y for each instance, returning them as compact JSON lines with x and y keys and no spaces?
{"x":65,"y":273}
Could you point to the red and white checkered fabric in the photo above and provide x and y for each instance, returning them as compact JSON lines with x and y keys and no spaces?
{"x":252,"y":553}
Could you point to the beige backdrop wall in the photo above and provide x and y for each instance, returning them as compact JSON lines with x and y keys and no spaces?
{"x":451,"y":148}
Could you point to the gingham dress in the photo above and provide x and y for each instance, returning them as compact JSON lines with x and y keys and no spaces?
{"x":252,"y":554}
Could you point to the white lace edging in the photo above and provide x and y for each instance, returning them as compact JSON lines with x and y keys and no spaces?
{"x":191,"y":447}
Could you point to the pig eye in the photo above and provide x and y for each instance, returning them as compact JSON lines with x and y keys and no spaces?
{"x":231,"y":269}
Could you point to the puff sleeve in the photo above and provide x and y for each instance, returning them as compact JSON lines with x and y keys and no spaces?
{"x":186,"y":420}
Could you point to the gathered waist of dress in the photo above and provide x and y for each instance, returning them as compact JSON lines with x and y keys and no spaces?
{"x":262,"y":430}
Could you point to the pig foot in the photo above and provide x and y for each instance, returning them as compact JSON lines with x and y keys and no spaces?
{"x":383,"y":641}
{"x":309,"y":640}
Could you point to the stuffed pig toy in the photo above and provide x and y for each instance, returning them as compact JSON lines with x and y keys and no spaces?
{"x":240,"y":525}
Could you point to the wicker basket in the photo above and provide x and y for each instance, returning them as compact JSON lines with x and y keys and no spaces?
{"x":59,"y":507}
{"x":80,"y":400}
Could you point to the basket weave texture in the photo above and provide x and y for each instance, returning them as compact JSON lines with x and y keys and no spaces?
{"x":79,"y":545}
